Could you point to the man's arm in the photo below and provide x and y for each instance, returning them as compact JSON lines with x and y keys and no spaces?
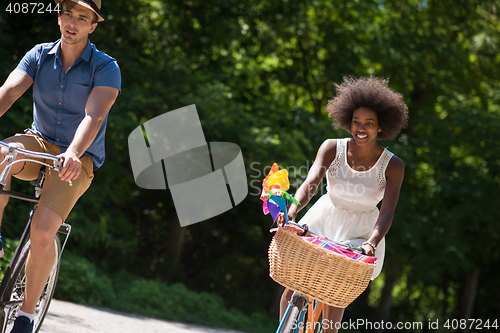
{"x":98,"y":104}
{"x":15,"y":85}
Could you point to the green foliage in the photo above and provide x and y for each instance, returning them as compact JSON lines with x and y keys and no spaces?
{"x":9,"y":246}
{"x":260,"y":73}
{"x":80,"y":281}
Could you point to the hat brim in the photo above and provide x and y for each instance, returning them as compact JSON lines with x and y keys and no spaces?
{"x":81,"y":3}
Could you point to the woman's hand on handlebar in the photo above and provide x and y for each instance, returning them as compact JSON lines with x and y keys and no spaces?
{"x":281,"y":218}
{"x":368,"y":250}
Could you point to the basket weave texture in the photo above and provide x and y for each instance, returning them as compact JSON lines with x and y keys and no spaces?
{"x":316,"y":272}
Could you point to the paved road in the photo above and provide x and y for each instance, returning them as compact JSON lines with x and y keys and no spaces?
{"x":64,"y":317}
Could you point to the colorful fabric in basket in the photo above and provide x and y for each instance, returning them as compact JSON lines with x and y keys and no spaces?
{"x":327,"y":244}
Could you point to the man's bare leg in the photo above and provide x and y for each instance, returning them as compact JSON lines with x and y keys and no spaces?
{"x":44,"y":226}
{"x":15,"y":169}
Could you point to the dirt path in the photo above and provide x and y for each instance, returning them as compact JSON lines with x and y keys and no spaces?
{"x":64,"y":317}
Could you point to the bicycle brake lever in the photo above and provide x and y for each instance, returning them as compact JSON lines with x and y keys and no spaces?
{"x":306,"y":229}
{"x":59,"y":164}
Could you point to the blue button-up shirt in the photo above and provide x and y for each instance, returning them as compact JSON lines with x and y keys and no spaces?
{"x":59,"y":98}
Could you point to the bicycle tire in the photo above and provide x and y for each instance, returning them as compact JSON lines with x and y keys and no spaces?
{"x":293,"y":317}
{"x":18,"y":287}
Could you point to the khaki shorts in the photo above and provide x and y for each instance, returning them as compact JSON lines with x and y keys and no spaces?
{"x":56,"y":193}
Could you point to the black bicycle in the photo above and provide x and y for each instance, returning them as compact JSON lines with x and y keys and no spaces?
{"x":13,"y":284}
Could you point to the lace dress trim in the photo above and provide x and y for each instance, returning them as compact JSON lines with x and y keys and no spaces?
{"x":336,"y":162}
{"x":381,"y":174}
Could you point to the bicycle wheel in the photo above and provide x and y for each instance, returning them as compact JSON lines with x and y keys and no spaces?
{"x":17,"y":294}
{"x":293,"y":318}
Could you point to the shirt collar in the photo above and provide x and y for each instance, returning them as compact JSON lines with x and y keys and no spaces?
{"x":87,"y":51}
{"x":56,"y":49}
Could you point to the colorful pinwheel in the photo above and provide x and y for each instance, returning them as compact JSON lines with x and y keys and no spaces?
{"x":274,"y":195}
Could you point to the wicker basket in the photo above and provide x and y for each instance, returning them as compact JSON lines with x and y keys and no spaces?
{"x":316,"y":272}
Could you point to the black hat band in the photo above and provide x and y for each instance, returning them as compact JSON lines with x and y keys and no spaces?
{"x":92,"y":4}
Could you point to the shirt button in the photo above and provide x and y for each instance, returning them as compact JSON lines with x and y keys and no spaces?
{"x":57,"y":139}
{"x":60,"y":103}
{"x":58,"y":122}
{"x":62,"y":86}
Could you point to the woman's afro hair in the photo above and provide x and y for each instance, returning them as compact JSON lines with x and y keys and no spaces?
{"x":372,"y":93}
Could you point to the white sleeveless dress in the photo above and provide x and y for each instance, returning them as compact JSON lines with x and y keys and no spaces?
{"x":348,"y":211}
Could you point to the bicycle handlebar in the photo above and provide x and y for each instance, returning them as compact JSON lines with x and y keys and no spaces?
{"x":31,"y":153}
{"x":307,"y":232}
{"x":11,"y":159}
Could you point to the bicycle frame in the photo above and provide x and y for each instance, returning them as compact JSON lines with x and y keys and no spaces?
{"x":6,"y":304}
{"x":304,"y":324}
{"x":298,"y":322}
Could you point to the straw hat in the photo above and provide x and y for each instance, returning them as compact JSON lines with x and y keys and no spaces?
{"x":93,"y":5}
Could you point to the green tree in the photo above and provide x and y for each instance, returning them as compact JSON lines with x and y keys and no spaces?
{"x":260,"y":73}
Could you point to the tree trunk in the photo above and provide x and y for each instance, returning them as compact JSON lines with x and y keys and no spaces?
{"x":469,"y":295}
{"x":175,"y":241}
{"x":174,"y":249}
{"x":392,"y":269}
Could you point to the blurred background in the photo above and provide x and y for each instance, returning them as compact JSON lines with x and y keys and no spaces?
{"x":260,"y":73}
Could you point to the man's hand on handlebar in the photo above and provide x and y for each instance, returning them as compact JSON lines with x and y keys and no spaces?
{"x":71,"y":168}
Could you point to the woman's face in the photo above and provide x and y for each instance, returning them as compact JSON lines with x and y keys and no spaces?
{"x":364,"y":125}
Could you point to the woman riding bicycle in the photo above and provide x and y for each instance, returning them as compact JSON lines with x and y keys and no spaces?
{"x":360,"y":174}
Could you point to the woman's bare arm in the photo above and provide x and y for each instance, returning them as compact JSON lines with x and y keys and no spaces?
{"x":324,"y":157}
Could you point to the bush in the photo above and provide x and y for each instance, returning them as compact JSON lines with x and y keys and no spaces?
{"x":81,"y":282}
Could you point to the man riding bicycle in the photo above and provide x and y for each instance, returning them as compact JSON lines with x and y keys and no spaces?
{"x":74,"y":87}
